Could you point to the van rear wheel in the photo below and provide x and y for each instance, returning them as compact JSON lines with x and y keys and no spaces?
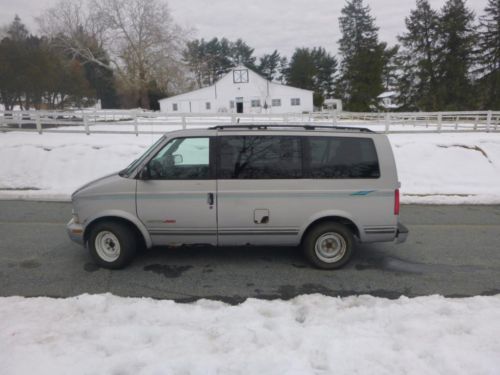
{"x":112,"y":245}
{"x":328,"y":245}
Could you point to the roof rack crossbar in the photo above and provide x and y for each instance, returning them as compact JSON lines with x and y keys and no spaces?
{"x":305,"y":126}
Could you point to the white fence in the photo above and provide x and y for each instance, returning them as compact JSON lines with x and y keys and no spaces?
{"x":147,"y":122}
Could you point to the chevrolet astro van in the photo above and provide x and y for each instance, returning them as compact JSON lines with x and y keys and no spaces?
{"x":321,"y":188}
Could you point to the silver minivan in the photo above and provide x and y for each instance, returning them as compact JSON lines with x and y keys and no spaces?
{"x":322,"y":188}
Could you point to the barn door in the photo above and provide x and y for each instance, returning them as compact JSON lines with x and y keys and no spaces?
{"x":239,"y":105}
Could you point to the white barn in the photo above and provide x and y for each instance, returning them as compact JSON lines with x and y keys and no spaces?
{"x":241,"y":90}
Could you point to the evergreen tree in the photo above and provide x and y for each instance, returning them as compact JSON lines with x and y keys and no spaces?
{"x":418,"y":58}
{"x":269,"y":66}
{"x":456,"y":44}
{"x":208,"y":61}
{"x":302,"y":69}
{"x":391,"y":68}
{"x":313,"y":70}
{"x":17,"y":30}
{"x":489,"y":50}
{"x":10,"y":90}
{"x":362,"y":58}
{"x":326,"y":69}
{"x":242,"y":54}
{"x":407,"y":80}
{"x":32,"y":73}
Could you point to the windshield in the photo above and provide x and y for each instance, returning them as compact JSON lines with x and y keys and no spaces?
{"x":127,"y":171}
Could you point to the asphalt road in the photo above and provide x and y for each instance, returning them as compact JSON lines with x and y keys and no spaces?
{"x":452,"y":251}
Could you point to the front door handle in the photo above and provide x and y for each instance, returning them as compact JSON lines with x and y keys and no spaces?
{"x":210,"y":199}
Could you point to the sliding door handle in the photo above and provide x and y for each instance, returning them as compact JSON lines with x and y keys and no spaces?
{"x":210,"y":199}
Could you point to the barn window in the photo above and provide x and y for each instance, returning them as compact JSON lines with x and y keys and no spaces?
{"x":276,"y":103}
{"x":255,"y":103}
{"x":240,"y":76}
{"x":175,"y":107}
{"x":295,"y":101}
{"x":208,"y":105}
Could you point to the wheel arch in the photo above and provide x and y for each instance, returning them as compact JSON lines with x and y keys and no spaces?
{"x":332,"y":217}
{"x":129,"y":220}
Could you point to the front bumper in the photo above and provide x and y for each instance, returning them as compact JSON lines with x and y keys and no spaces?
{"x":75,"y":232}
{"x":402,"y":233}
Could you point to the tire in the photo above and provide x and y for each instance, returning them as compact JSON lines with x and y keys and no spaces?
{"x":112,"y":245}
{"x":328,"y":245}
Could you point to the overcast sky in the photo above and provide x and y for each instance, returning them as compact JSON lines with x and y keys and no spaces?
{"x":264,"y":24}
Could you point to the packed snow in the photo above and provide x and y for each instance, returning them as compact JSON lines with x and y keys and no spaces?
{"x":433,"y":168}
{"x":315,"y":334}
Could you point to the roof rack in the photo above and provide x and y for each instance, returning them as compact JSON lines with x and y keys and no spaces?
{"x":284,"y":126}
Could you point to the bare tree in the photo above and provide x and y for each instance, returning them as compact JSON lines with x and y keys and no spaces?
{"x":142,"y":42}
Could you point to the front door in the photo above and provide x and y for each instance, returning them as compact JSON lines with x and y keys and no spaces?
{"x":176,"y":200}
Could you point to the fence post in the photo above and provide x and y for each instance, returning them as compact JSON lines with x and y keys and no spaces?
{"x":456,"y":123}
{"x":387,"y":122}
{"x":136,"y":126}
{"x":476,"y":120}
{"x":233,"y":119}
{"x":488,"y":121}
{"x":440,"y":122}
{"x":183,"y":122}
{"x":334,"y":116}
{"x":86,"y":124}
{"x":38,"y":123}
{"x":20,"y":119}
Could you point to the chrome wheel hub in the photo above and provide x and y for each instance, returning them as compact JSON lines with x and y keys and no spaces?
{"x":107,"y":246}
{"x":330,"y":247}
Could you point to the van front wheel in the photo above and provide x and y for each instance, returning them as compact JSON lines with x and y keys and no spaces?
{"x":328,"y":245}
{"x":112,"y":245}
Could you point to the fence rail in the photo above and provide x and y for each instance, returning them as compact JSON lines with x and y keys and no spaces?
{"x":147,"y":122}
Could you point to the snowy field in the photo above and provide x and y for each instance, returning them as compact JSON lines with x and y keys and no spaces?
{"x":433,"y":168}
{"x":104,"y":334}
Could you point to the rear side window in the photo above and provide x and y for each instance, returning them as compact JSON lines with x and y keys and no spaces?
{"x":342,"y":157}
{"x":259,"y":157}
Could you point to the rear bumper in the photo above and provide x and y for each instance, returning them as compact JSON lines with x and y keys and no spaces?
{"x":401,"y":233}
{"x":75,"y":232}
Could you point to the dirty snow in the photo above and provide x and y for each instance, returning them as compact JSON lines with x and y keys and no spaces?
{"x":433,"y":168}
{"x":104,"y":334}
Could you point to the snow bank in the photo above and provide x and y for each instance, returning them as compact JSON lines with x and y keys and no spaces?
{"x":448,"y":168}
{"x":433,"y":168}
{"x":104,"y":334}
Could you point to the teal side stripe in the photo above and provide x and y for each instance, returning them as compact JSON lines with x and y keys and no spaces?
{"x":363,"y":192}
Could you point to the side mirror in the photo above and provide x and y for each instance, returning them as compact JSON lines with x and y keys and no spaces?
{"x":177,"y":159}
{"x":144,"y":174}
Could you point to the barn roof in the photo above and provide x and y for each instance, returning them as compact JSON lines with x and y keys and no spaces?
{"x":209,"y":89}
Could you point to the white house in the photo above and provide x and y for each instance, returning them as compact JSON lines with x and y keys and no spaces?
{"x":388,"y":100}
{"x":241,"y":90}
{"x":331,"y":104}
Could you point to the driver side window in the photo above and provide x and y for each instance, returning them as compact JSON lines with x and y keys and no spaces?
{"x":182,"y":159}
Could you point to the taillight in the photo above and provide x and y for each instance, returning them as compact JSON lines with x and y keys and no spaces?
{"x":396,"y":202}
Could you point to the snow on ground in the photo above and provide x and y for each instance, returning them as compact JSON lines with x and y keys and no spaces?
{"x":448,"y":168}
{"x":315,"y":334}
{"x":433,"y":168}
